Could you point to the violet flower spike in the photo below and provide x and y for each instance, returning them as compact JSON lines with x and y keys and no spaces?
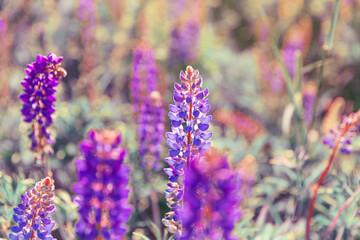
{"x":187,"y":141}
{"x":101,"y":190}
{"x":43,"y":76}
{"x":148,"y":106}
{"x":32,"y":215}
{"x":211,"y":200}
{"x":184,"y":42}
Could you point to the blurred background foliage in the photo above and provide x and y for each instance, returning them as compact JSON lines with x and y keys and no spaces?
{"x":253,"y":116}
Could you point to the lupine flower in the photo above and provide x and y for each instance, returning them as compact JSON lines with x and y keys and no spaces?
{"x":297,"y":39}
{"x":184,"y":41}
{"x":345,"y":133}
{"x":101,"y":190}
{"x":211,"y":199}
{"x":187,"y":140}
{"x":147,"y":106}
{"x":5,"y":49}
{"x":39,"y":98}
{"x":32,"y":215}
{"x":309,"y":94}
{"x":87,"y":14}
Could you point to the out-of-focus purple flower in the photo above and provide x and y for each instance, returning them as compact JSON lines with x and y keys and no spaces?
{"x":211,"y":199}
{"x":147,"y":105}
{"x":188,"y":139}
{"x":101,"y":190}
{"x":345,"y":133}
{"x":43,"y":76}
{"x":87,"y":14}
{"x":32,"y":215}
{"x":184,"y":42}
{"x":309,"y":95}
{"x":288,"y":54}
{"x":4,"y":47}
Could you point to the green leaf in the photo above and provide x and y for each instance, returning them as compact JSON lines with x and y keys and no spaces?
{"x":239,"y":226}
{"x":141,"y":236}
{"x":156,"y":230}
{"x":258,"y":144}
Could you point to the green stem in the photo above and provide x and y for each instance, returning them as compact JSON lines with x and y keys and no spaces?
{"x":326,"y":49}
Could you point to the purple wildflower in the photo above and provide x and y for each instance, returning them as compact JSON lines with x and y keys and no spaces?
{"x":288,"y":54}
{"x":101,"y":190}
{"x":184,"y":42}
{"x":32,"y":215}
{"x":344,"y":134}
{"x":211,"y":199}
{"x":148,"y":106}
{"x":187,"y":140}
{"x":309,"y":95}
{"x":39,"y":97}
{"x":87,"y":14}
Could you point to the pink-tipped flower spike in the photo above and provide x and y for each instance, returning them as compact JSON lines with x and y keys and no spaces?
{"x":32,"y":215}
{"x":101,"y":190}
{"x":188,"y":139}
{"x":43,"y":76}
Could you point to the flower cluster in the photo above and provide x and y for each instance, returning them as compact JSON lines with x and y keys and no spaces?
{"x":39,"y":97}
{"x":345,"y":133}
{"x":32,"y":215}
{"x":147,"y":105}
{"x":187,"y":140}
{"x":211,"y":199}
{"x":101,"y":189}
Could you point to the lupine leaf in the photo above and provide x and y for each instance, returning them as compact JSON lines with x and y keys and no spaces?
{"x":141,"y":236}
{"x":156,"y":230}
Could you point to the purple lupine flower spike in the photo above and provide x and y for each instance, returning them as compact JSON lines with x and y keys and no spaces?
{"x":184,"y":42}
{"x":187,"y":140}
{"x":147,"y":105}
{"x":101,"y":190}
{"x":344,"y":134}
{"x":32,"y":215}
{"x":43,"y":76}
{"x":211,"y":199}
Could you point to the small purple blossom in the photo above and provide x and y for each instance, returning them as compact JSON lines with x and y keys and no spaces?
{"x":101,"y":190}
{"x":43,"y":76}
{"x":344,"y":134}
{"x":32,"y":214}
{"x":148,"y":106}
{"x":187,"y":141}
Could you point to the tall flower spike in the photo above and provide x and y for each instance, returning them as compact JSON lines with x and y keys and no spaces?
{"x":187,"y":140}
{"x":32,"y":215}
{"x":147,"y":105}
{"x":101,"y":190}
{"x":43,"y":76}
{"x":211,"y":199}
